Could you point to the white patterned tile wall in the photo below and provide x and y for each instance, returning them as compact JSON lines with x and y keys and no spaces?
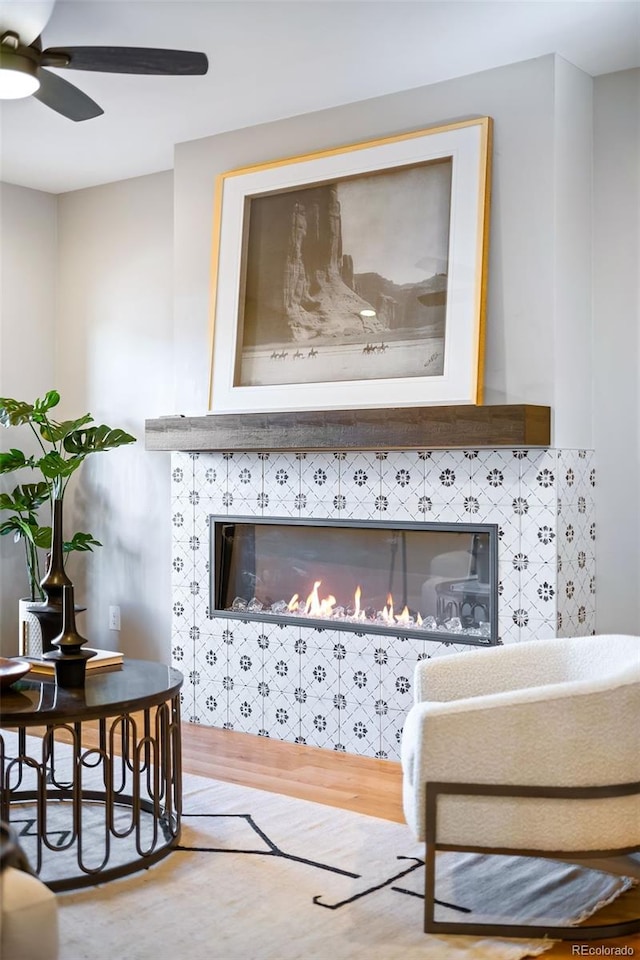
{"x":346,"y":691}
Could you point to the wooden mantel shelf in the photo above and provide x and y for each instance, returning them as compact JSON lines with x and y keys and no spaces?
{"x":399,"y":428}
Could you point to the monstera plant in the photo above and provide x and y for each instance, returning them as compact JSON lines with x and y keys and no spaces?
{"x":63,"y":447}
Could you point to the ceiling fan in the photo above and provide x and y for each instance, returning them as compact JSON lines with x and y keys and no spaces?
{"x":23,"y":69}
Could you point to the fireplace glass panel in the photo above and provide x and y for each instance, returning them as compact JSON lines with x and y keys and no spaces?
{"x":414,"y":579}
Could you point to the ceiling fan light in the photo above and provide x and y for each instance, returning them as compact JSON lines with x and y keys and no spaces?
{"x":18,"y":76}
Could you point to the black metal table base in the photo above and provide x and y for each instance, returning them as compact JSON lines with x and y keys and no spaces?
{"x":89,"y":814}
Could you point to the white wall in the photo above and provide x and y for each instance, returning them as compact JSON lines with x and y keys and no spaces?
{"x":114,"y":360}
{"x":28,"y":249}
{"x":616,"y":300}
{"x":571,"y":238}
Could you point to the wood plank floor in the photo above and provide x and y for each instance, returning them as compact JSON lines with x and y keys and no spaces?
{"x":368,"y":786}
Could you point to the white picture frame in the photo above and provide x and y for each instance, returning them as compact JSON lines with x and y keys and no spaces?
{"x":354,"y":277}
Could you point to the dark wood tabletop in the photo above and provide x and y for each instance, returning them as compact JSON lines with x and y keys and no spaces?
{"x":137,"y":685}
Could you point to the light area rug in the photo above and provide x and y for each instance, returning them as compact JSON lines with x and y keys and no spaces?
{"x":259,"y":876}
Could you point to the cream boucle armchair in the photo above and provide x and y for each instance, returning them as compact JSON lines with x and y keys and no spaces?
{"x":28,"y":909}
{"x":528,"y":749}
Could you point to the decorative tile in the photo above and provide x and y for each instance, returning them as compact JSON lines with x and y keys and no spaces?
{"x":320,"y":725}
{"x":182,"y":651}
{"x":448,"y":476}
{"x":348,"y":507}
{"x":198,"y":567}
{"x":281,"y":717}
{"x":402,"y":474}
{"x":320,"y":478}
{"x":211,"y":660}
{"x":295,"y":508}
{"x":281,"y":477}
{"x":576,"y":587}
{"x":508,"y":630}
{"x":182,"y":566}
{"x":508,"y":524}
{"x":570,"y":474}
{"x":390,"y":735}
{"x":182,"y":474}
{"x":539,"y":536}
{"x":538,"y":590}
{"x":495,"y":477}
{"x":360,"y":477}
{"x":396,"y":683}
{"x":318,"y":509}
{"x":359,"y":730}
{"x":319,"y":676}
{"x":508,"y":586}
{"x":182,"y":521}
{"x":244,"y":713}
{"x":539,"y":480}
{"x":244,"y":663}
{"x":359,"y":678}
{"x":396,"y":507}
{"x":210,"y":475}
{"x":283,"y":674}
{"x":212,"y":703}
{"x":241,"y":673}
{"x":181,"y":609}
{"x":538,"y":630}
{"x":201,"y":525}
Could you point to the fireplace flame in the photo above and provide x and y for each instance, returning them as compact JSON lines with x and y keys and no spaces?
{"x":387,"y":611}
{"x":323,"y":607}
{"x":404,"y":617}
{"x":317,"y":607}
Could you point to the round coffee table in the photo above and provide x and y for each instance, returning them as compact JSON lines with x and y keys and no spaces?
{"x":93,"y":802}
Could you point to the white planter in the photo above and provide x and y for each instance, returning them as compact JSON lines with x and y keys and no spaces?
{"x":29,"y":633}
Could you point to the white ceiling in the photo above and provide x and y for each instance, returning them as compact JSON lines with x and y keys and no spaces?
{"x":276,"y":58}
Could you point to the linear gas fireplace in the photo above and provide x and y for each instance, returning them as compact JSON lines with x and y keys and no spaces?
{"x":422,"y":580}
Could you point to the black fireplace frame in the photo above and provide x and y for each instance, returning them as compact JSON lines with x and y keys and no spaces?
{"x":215,"y":564}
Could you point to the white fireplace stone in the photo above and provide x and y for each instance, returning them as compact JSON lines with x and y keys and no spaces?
{"x":347,"y":691}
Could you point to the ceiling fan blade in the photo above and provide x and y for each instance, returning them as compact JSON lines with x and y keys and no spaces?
{"x":129,"y":60}
{"x":64,"y":98}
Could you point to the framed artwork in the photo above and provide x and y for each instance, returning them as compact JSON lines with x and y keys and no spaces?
{"x":355,"y":277}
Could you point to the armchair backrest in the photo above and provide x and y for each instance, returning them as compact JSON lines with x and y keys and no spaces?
{"x":536,"y":663}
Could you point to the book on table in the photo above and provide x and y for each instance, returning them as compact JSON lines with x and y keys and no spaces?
{"x":103,"y":660}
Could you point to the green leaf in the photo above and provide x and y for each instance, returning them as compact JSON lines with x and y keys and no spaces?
{"x":95,"y":439}
{"x":9,"y":526}
{"x":25,"y":498}
{"x":53,"y":466}
{"x":21,"y":528}
{"x":81,"y":542}
{"x":42,"y":537}
{"x":14,"y":460}
{"x":14,"y":412}
{"x":34,"y":494}
{"x":50,"y":399}
{"x":53,"y":432}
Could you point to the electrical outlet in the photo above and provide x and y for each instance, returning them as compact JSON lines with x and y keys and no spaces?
{"x":114,"y":618}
